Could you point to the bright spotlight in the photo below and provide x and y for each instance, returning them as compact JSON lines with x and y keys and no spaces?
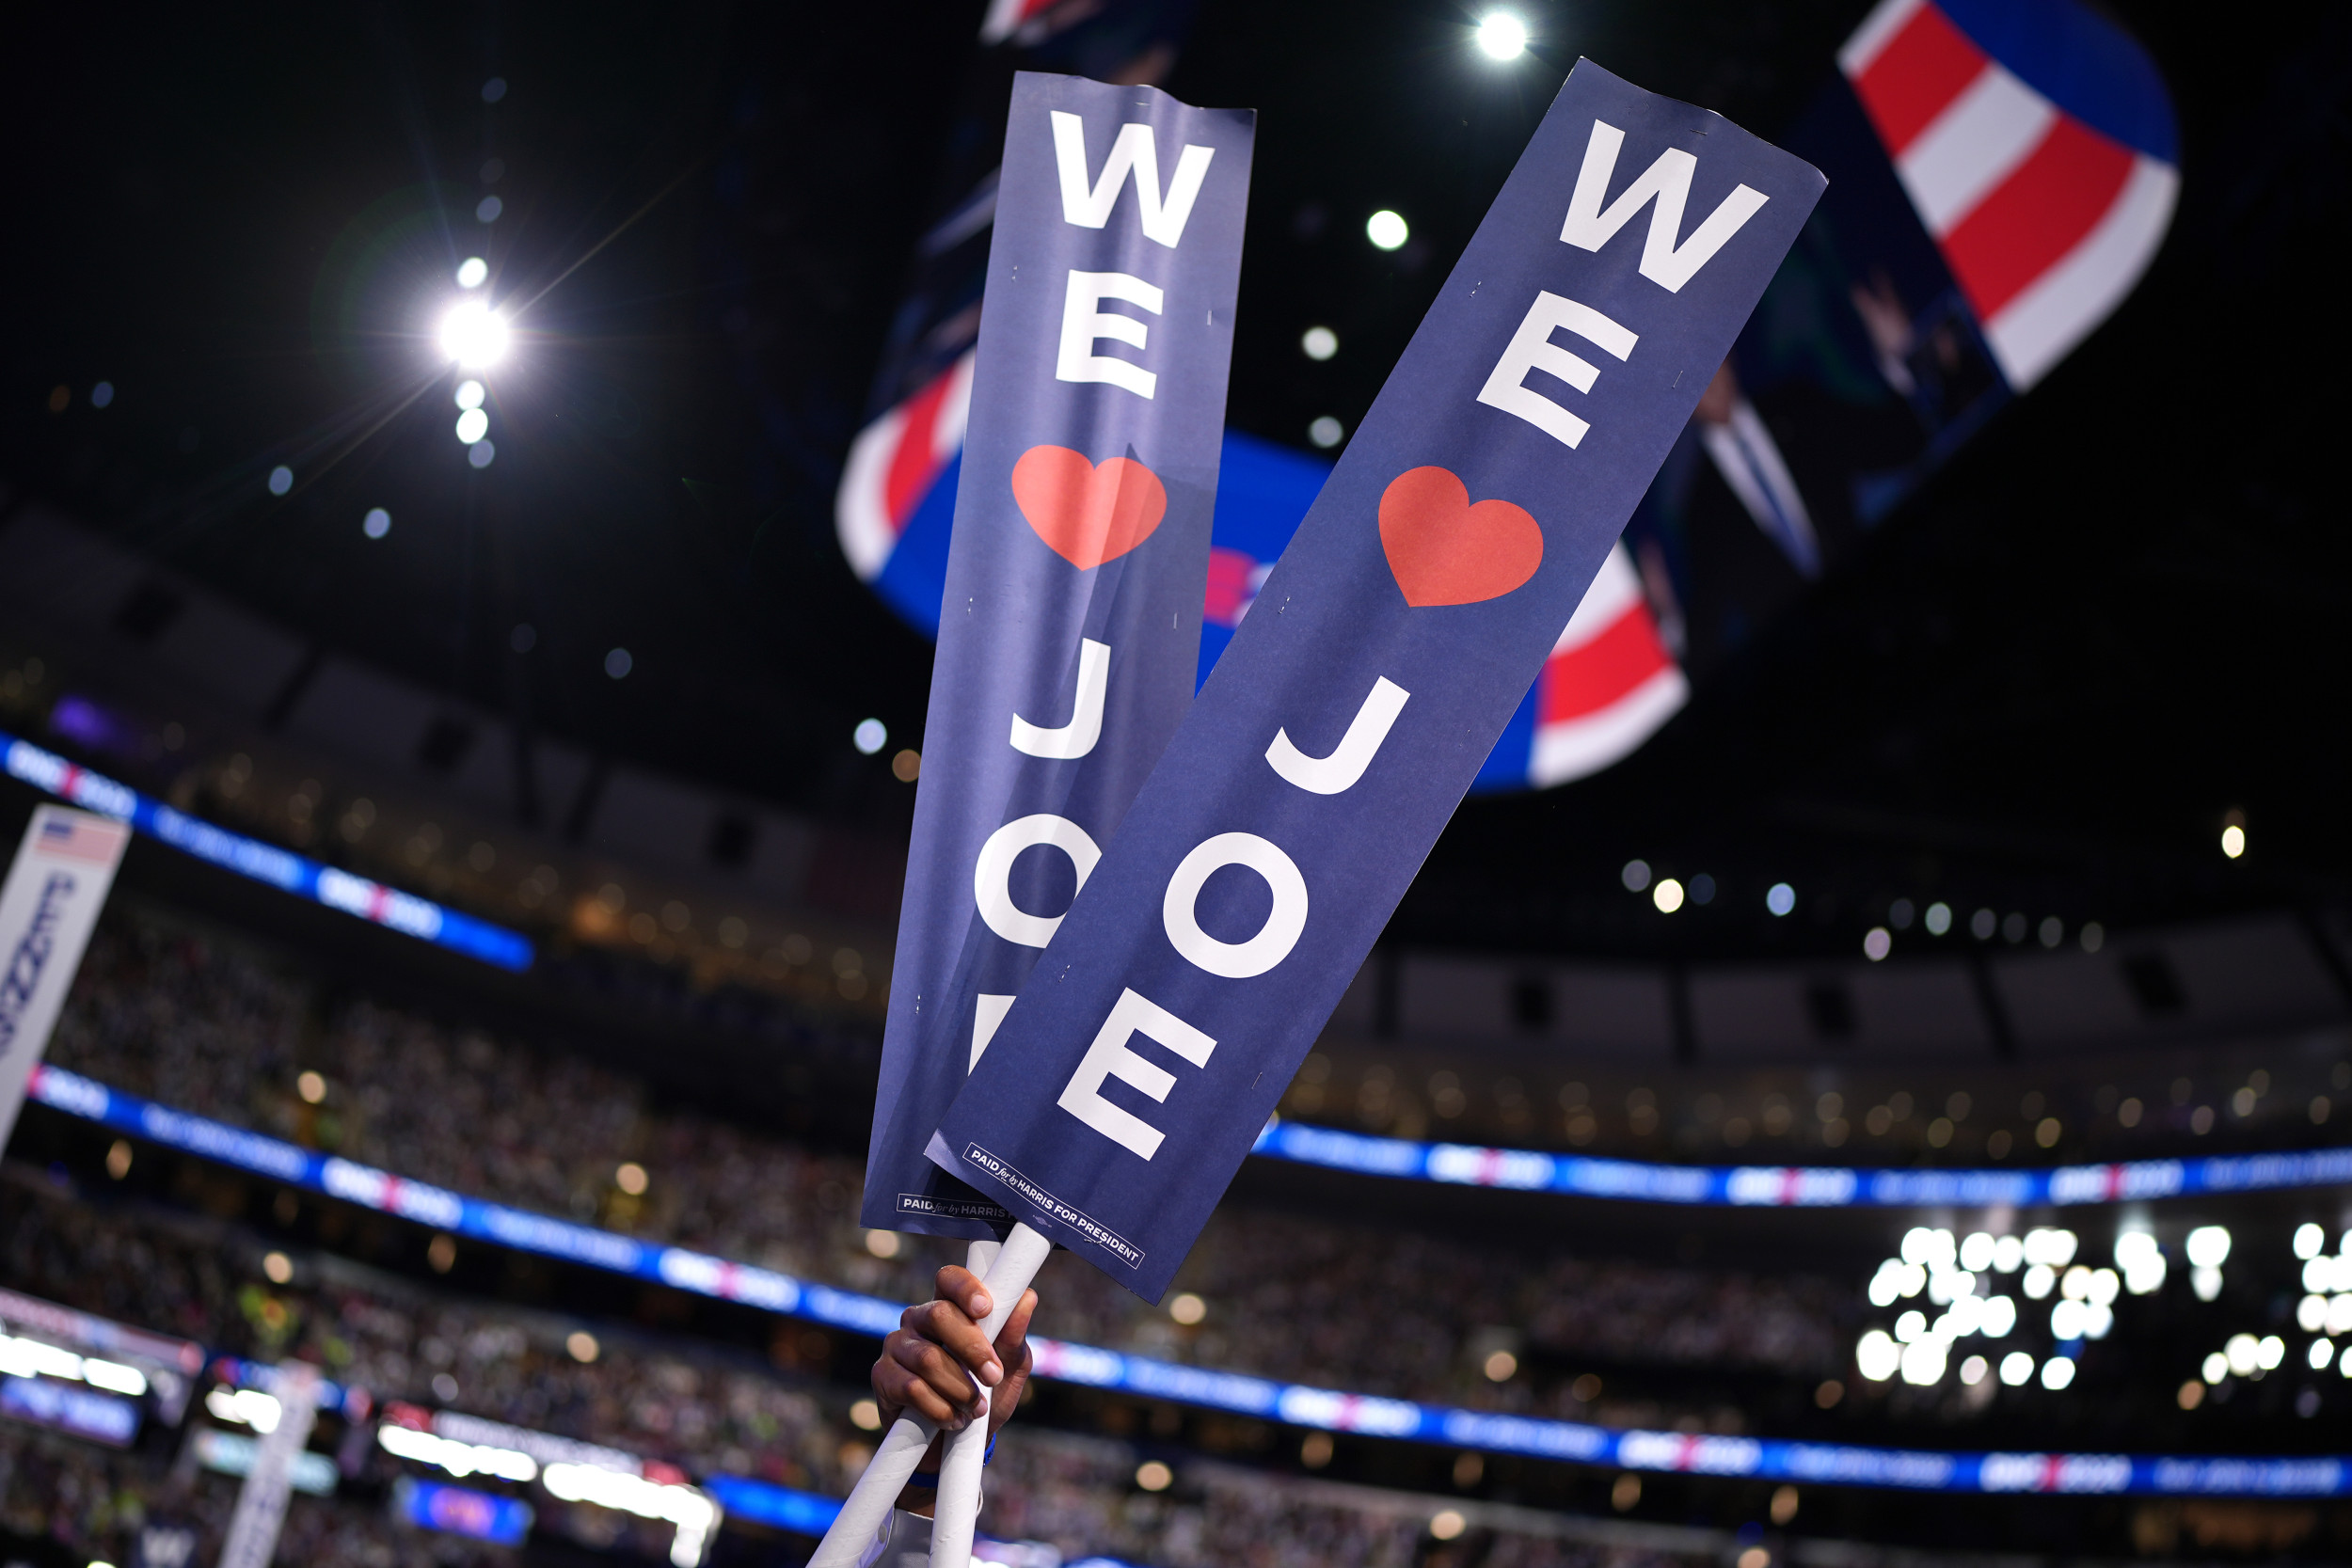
{"x":1386,"y":229}
{"x":474,"y":335}
{"x":472,"y":273}
{"x":2209,"y":1246}
{"x":1502,"y":35}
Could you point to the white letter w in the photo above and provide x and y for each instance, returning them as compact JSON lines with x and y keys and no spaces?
{"x":1134,"y":150}
{"x":1668,"y":180}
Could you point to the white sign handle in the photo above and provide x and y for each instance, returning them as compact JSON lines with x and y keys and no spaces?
{"x":957,"y":1514}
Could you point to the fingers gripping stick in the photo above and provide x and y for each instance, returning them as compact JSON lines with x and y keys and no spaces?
{"x":868,"y":1509}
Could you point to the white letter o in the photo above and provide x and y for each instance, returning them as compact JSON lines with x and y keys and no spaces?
{"x":992,"y":872}
{"x":1235,"y":960}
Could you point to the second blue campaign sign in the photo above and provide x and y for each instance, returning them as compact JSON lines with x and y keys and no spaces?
{"x":1383,"y":656}
{"x":1071,"y":626}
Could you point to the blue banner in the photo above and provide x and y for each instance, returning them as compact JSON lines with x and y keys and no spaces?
{"x":1070,"y":629}
{"x":1297,"y":1403}
{"x":1380,"y":660}
{"x":283,"y":869}
{"x":1801,"y":1186}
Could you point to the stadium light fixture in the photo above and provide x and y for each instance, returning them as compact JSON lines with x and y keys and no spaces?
{"x":474,"y":335}
{"x":1502,"y":36}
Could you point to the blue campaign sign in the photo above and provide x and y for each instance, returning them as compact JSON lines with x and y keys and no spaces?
{"x":1071,"y":628}
{"x":1378,"y":665}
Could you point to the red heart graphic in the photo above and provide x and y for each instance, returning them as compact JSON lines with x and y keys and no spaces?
{"x":1088,"y":513}
{"x":1444,"y":551}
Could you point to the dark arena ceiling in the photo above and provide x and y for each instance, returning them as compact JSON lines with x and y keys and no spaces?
{"x":2121,"y":614}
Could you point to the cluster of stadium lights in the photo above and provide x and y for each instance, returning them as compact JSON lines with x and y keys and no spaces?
{"x":1957,"y":1275}
{"x":1500,"y":36}
{"x":475,"y":337}
{"x":2325,"y":1313}
{"x":1671,"y":894}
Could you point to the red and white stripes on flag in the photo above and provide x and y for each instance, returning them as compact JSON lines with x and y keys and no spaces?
{"x":892,"y":463}
{"x":75,"y":836}
{"x":2045,"y":221}
{"x":1609,"y":684}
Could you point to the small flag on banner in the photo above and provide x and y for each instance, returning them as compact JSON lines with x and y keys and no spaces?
{"x":77,"y":836}
{"x":1424,"y":593}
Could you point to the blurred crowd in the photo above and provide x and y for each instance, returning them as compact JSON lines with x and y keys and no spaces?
{"x":691,"y":1404}
{"x":180,"y":1016}
{"x":1072,"y":1496}
{"x":99,"y":1503}
{"x":687,"y":1403}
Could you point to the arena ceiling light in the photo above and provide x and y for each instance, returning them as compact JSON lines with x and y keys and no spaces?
{"x":473,"y":335}
{"x":1502,"y":36}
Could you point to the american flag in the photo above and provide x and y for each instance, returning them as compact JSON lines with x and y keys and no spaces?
{"x":895,"y":463}
{"x":77,"y":837}
{"x":2036,"y":144}
{"x":1609,"y":684}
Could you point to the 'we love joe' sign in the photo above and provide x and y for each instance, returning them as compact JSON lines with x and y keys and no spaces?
{"x":1381,"y":662}
{"x":1070,"y":632}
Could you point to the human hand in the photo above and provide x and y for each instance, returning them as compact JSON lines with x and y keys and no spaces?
{"x":936,"y":1362}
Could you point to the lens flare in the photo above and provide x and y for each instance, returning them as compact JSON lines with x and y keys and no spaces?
{"x":474,"y":335}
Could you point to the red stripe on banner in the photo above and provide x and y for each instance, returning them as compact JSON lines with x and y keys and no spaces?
{"x":1228,"y":588}
{"x":913,"y":464}
{"x":2035,"y":216}
{"x":1596,"y":673}
{"x":1916,"y":77}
